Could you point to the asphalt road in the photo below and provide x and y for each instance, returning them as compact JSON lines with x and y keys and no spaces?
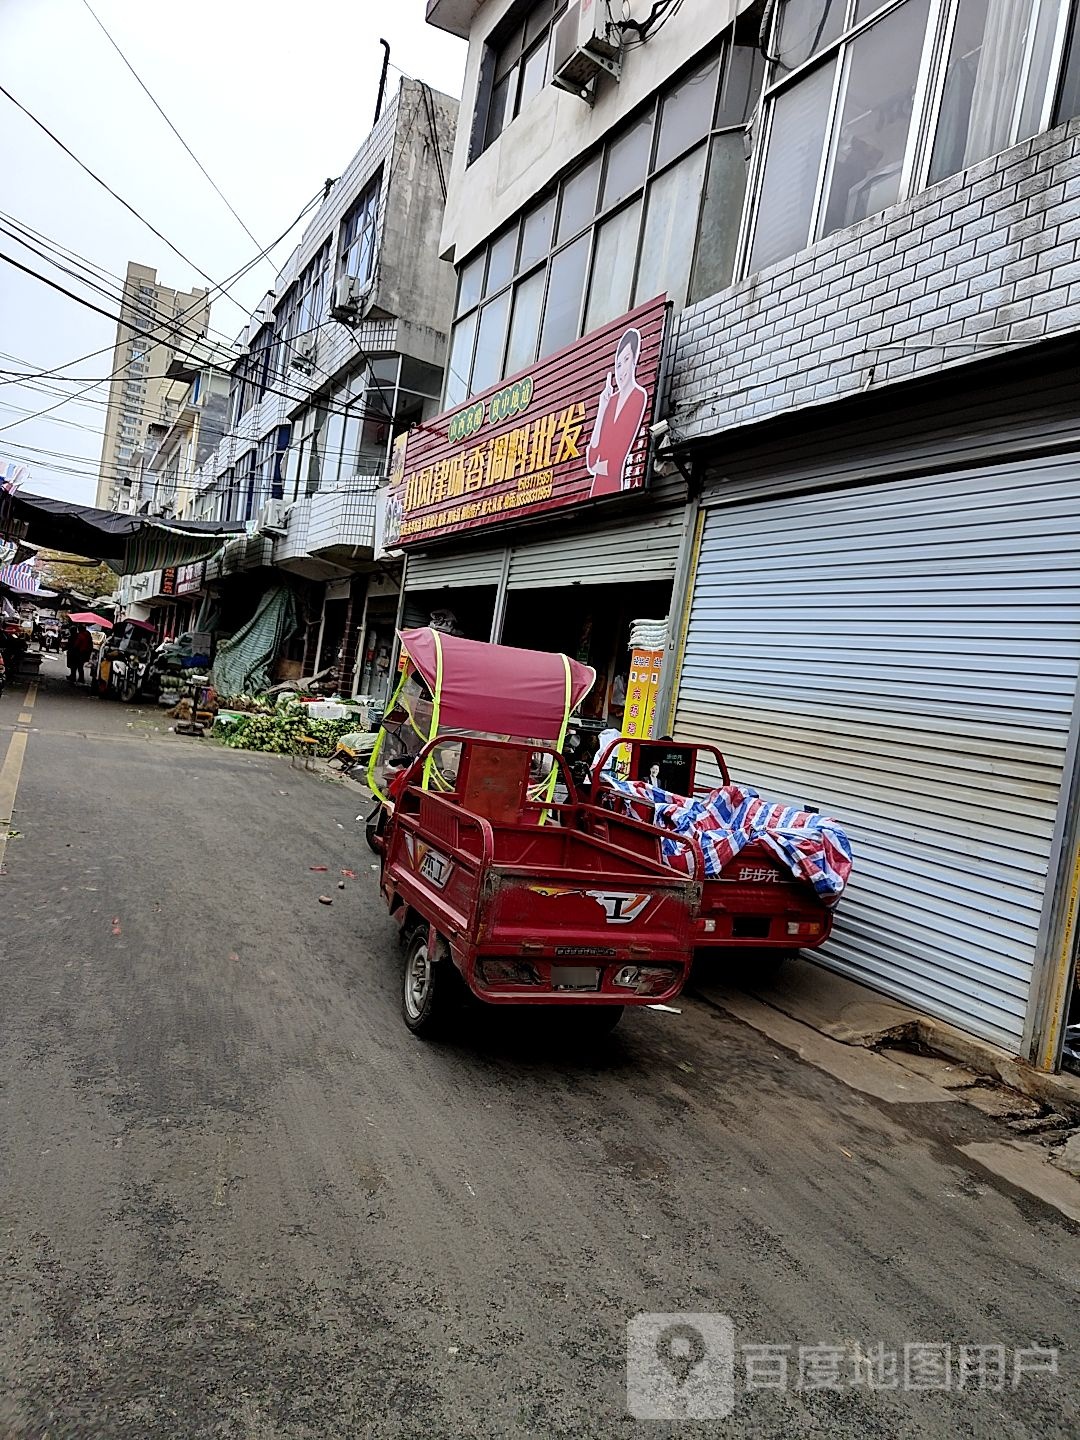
{"x":238,"y":1199}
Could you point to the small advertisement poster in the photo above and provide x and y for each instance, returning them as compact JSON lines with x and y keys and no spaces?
{"x":642,"y":688}
{"x":571,"y":429}
{"x":189,"y":577}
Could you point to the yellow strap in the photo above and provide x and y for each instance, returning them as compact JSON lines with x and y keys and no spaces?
{"x":436,"y":699}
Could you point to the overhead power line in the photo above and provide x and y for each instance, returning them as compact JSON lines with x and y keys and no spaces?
{"x":98,"y":273}
{"x":222,"y":286}
{"x":210,"y":179}
{"x":108,"y":188}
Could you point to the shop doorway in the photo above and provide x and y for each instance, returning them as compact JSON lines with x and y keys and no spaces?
{"x":590,"y":623}
{"x":331,"y":650}
{"x":472,"y":607}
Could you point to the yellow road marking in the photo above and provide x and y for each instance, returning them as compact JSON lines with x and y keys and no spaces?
{"x":25,"y":718}
{"x":10,"y":774}
{"x":31,"y":695}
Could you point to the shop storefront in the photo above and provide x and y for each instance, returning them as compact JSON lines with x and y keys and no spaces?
{"x":883,"y":621}
{"x":532,"y":516}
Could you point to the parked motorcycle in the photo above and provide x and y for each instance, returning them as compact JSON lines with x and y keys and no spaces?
{"x":120,"y":667}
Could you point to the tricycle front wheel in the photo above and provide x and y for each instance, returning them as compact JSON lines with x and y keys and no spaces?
{"x":430,"y":991}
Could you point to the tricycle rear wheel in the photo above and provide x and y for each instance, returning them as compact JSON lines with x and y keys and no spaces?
{"x":429,"y":989}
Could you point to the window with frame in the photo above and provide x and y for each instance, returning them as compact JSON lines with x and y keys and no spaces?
{"x":869,"y":101}
{"x":286,"y":317}
{"x":356,"y":250}
{"x":516,"y":68}
{"x":311,"y":300}
{"x":303,"y":463}
{"x":655,"y":208}
{"x":258,"y":365}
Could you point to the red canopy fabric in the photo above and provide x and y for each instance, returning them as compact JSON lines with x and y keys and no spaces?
{"x":497,"y":689}
{"x":87,"y":617}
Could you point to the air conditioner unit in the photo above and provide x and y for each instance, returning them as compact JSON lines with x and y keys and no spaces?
{"x":303,"y":355}
{"x":587,"y":44}
{"x":352,"y":299}
{"x":271,"y":519}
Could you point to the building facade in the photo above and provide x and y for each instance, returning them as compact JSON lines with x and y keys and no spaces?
{"x":862,"y":525}
{"x":345,"y":353}
{"x":156,"y":323}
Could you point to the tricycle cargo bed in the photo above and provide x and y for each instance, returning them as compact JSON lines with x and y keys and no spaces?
{"x":535,"y":909}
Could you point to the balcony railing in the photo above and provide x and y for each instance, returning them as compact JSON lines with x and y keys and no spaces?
{"x":343,"y":519}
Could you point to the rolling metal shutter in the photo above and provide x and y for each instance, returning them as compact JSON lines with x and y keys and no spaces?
{"x":643,"y":547}
{"x":453,"y":568}
{"x":904,"y":656}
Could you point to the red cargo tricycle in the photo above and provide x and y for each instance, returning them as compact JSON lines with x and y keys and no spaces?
{"x":753,"y":902}
{"x":506,"y":894}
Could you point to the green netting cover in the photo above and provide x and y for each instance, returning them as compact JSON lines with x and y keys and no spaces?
{"x":243,"y":661}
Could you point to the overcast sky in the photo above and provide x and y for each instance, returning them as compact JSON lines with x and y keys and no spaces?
{"x":271,"y":95}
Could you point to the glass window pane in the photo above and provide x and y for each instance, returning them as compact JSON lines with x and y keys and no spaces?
{"x":501,"y":260}
{"x":1038,"y":76}
{"x":686,"y":114}
{"x":875,"y":118}
{"x":614,"y":256}
{"x":509,"y":51}
{"x":333,"y":433}
{"x":470,"y":282}
{"x":1068,"y":100}
{"x":806,"y":27}
{"x":668,"y":244}
{"x":744,"y":70}
{"x":627,"y":162}
{"x":536,"y":234}
{"x":799,"y":120}
{"x":501,"y":106}
{"x":525,"y":322}
{"x":537,"y":19}
{"x":350,"y":450}
{"x":459,"y":361}
{"x":533,"y":73}
{"x":566,"y":285}
{"x":487,"y":366}
{"x":721,"y":211}
{"x":578,"y":201}
{"x":981,"y":82}
{"x":865,"y":8}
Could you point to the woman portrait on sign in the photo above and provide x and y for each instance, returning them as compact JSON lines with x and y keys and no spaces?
{"x":618,"y":420}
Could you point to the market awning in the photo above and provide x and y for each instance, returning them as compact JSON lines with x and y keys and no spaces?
{"x":24,"y":581}
{"x":129,"y":543}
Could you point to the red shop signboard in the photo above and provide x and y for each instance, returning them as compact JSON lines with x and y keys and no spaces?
{"x":572,"y":428}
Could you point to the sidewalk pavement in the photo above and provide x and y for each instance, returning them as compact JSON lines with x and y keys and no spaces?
{"x":852,"y":1014}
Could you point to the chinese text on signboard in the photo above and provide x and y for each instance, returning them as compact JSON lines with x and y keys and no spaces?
{"x":574,"y":428}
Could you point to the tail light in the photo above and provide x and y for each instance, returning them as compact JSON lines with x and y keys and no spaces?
{"x":508,"y":972}
{"x":804,"y":929}
{"x":645,"y":979}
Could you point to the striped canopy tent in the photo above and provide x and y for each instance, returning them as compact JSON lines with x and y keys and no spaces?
{"x":24,"y":582}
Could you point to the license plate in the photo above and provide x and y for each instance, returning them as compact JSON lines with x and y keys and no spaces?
{"x":575,"y":977}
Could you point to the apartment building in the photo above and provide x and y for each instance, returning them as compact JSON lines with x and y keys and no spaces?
{"x":344,"y":354}
{"x":853,"y":491}
{"x":156,"y":323}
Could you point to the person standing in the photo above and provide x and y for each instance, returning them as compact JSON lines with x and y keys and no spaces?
{"x":79,"y":649}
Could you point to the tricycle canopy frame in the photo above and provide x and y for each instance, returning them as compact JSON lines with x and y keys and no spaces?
{"x":481,"y":689}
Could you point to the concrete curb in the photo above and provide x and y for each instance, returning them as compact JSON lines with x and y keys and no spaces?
{"x":854,"y":1014}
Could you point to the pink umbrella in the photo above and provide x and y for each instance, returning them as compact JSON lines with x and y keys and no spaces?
{"x":87,"y":617}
